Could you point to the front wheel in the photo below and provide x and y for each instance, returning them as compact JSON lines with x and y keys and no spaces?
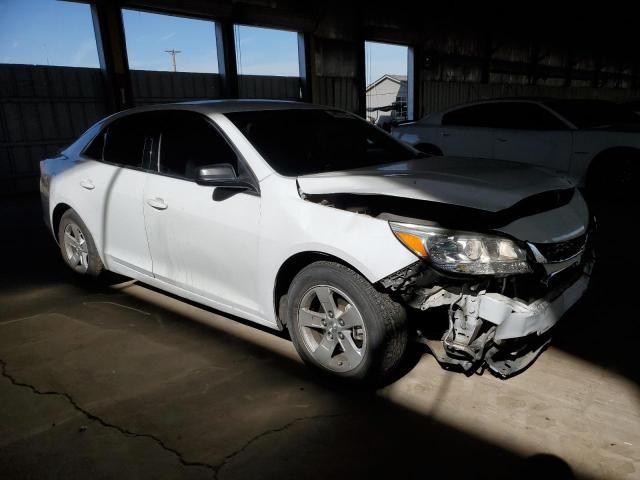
{"x":340,"y":324}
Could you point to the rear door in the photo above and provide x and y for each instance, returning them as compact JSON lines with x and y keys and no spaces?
{"x":115,"y":183}
{"x":203,"y":239}
{"x":526,"y":132}
{"x":467,"y":132}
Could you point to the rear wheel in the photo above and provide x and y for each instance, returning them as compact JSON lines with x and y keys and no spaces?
{"x":340,"y":324}
{"x":613,"y":179}
{"x":77,"y":246}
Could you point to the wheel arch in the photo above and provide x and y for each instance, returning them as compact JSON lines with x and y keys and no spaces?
{"x":289,"y":269}
{"x":597,"y":160}
{"x":56,"y":216}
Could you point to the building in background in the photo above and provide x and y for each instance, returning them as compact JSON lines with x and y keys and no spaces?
{"x":387,"y":100}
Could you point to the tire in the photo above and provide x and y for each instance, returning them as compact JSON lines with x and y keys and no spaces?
{"x":612,"y":179}
{"x":362,"y":336}
{"x":77,"y":246}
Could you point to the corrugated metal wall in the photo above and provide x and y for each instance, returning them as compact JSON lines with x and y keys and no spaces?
{"x":272,"y":87}
{"x":42,"y":109}
{"x":161,"y":87}
{"x":158,"y":87}
{"x":340,"y":92}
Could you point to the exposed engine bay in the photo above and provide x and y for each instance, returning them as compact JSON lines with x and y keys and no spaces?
{"x":498,"y":321}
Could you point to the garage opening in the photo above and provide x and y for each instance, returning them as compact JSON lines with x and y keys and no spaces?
{"x":268,"y":63}
{"x":171,"y":58}
{"x":387,"y":83}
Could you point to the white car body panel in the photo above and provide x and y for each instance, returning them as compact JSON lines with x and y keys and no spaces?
{"x":455,"y":141}
{"x":309,"y":227}
{"x":550,"y":149}
{"x":246,"y":286}
{"x":118,"y":229}
{"x":456,"y":181}
{"x":203,"y":245}
{"x":557,"y":225}
{"x":569,"y":152}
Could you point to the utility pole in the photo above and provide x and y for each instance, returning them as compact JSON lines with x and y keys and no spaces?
{"x":173,"y":53}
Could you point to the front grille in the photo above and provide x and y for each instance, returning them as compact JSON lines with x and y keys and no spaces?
{"x":558,"y":252}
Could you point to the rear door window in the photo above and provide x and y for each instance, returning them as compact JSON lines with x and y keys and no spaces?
{"x":483,"y":115}
{"x":526,"y":116}
{"x":125,"y":141}
{"x":512,"y":115}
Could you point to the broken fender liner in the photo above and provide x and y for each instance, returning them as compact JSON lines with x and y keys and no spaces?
{"x":446,"y":215}
{"x":505,"y":365}
{"x":501,"y":361}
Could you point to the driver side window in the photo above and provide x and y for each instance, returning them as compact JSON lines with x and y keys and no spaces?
{"x":188,"y":142}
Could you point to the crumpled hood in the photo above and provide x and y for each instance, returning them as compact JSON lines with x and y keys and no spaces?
{"x":490,"y":185}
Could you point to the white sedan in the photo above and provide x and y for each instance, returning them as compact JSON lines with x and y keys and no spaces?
{"x":307,"y":218}
{"x":594,"y":142}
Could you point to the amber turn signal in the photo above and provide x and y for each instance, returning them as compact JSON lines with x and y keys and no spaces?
{"x":413,"y":243}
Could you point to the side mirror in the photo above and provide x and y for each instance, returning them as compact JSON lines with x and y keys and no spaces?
{"x":222,"y":175}
{"x":217,"y":174}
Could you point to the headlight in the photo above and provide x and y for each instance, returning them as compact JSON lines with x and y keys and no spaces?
{"x":463,"y":252}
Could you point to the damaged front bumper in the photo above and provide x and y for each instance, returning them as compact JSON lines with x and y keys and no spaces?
{"x":515,"y":319}
{"x":495,"y":331}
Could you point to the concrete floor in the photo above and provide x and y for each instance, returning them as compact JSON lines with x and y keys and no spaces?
{"x":114,"y":379}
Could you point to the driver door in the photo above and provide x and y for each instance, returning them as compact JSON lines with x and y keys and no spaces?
{"x":202,"y":239}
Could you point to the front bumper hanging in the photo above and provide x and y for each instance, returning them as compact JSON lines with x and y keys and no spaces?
{"x":491,"y":330}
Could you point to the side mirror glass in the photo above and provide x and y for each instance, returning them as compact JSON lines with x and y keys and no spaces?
{"x":217,"y":173}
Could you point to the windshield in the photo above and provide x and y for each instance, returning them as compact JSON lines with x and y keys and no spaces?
{"x":594,"y":113}
{"x":304,"y":141}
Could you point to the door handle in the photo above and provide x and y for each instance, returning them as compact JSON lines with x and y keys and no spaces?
{"x":157,"y":203}
{"x":502,"y":140}
{"x":445,"y":134}
{"x":88,"y":184}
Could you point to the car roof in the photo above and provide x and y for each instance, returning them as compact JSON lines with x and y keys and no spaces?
{"x":226,"y":106}
{"x":539,"y":100}
{"x":500,"y":100}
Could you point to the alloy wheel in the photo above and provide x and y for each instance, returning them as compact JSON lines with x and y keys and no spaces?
{"x":75,"y":246}
{"x":332,"y":328}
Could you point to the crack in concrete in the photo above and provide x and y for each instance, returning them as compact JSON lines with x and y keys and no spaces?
{"x":106,"y":424}
{"x":237,"y":452}
{"x":215,"y":469}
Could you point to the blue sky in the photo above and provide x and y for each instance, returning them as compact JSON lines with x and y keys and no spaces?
{"x":148,"y":35}
{"x":264,"y":51}
{"x":47,"y":32}
{"x":61,"y":33}
{"x":383,"y":58}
